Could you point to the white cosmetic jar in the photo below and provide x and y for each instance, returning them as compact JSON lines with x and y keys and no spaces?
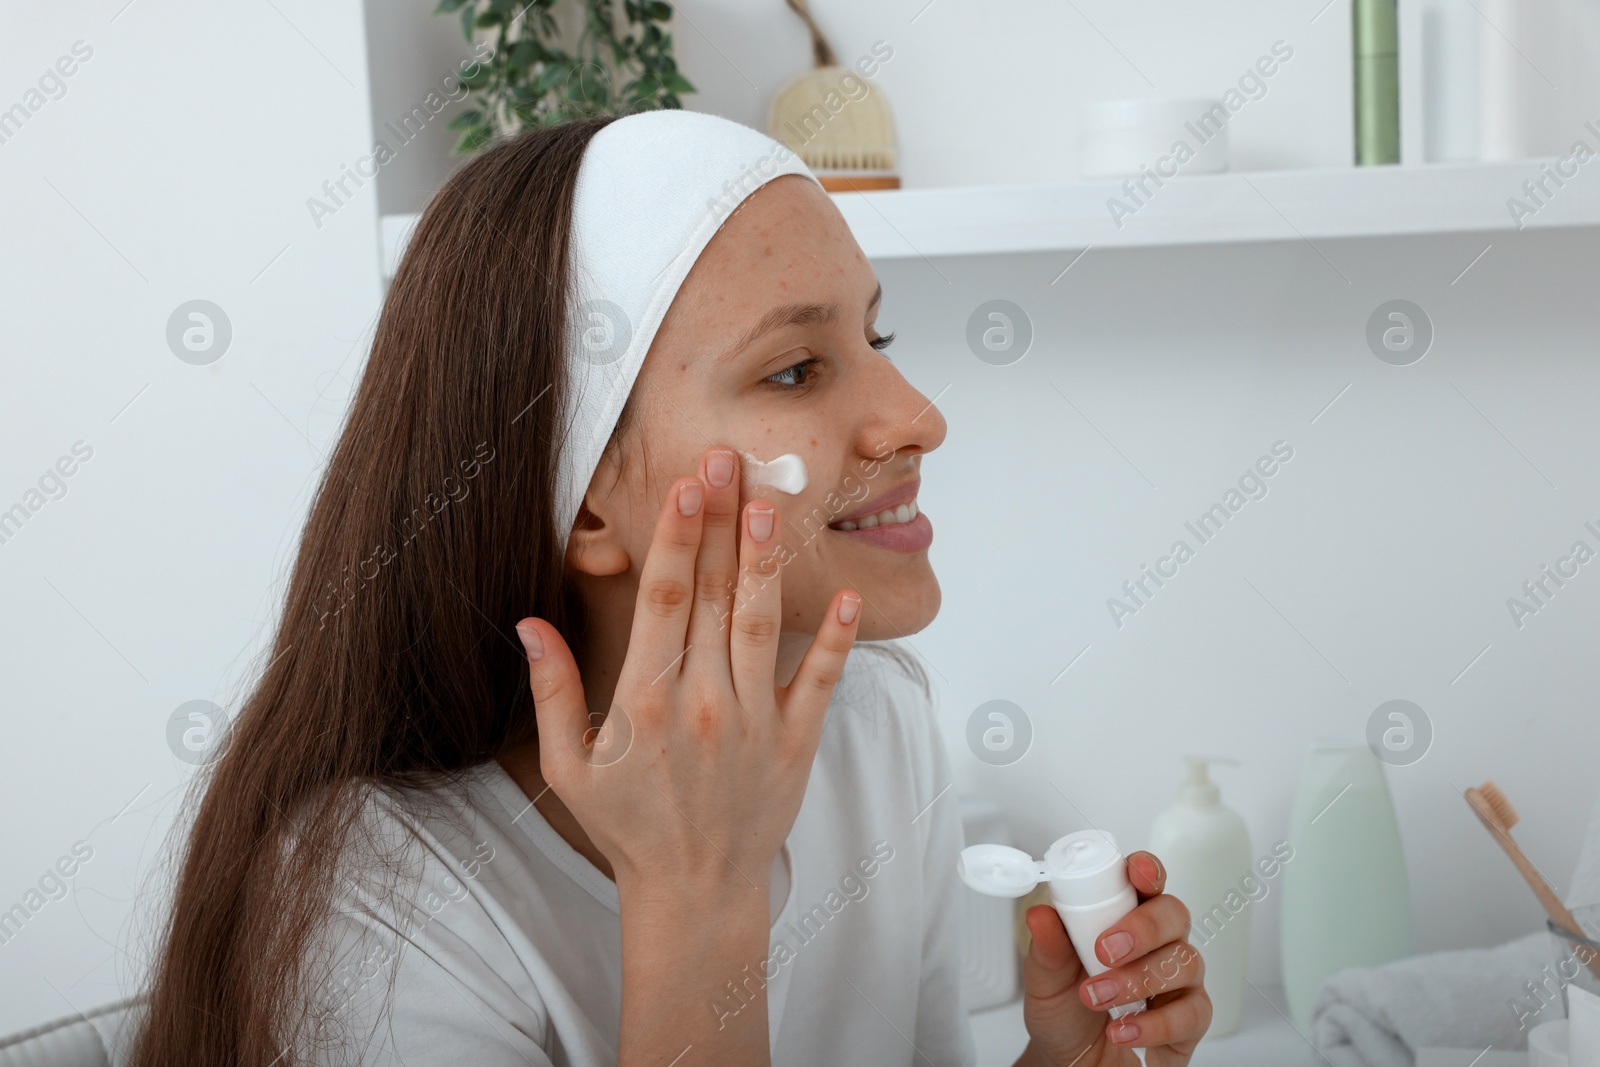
{"x":1119,"y":138}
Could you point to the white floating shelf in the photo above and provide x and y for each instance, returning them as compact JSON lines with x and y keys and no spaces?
{"x":1282,"y":205}
{"x":1211,"y":209}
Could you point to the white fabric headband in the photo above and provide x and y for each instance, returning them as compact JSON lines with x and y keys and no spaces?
{"x":652,"y":190}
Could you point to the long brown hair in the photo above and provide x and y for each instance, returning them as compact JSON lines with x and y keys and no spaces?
{"x":395,"y":660}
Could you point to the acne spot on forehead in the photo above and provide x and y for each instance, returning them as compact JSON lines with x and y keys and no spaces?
{"x":813,"y":442}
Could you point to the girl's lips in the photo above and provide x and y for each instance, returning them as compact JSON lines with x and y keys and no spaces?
{"x":913,"y":536}
{"x":904,"y":493}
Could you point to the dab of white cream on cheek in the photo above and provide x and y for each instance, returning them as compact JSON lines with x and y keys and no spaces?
{"x":786,"y":474}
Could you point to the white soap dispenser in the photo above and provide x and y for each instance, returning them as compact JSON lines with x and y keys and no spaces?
{"x":1205,"y":848}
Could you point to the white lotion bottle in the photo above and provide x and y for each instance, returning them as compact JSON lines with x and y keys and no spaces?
{"x":1205,"y":848}
{"x":1088,"y":881}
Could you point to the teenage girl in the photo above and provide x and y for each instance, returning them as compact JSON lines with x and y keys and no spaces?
{"x":573,"y":745}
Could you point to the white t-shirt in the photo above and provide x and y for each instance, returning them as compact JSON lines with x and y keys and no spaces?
{"x":495,"y":943}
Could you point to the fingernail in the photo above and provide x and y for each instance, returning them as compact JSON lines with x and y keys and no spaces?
{"x":1117,"y":945}
{"x":689,"y":496}
{"x":1103,"y":989}
{"x":848,"y":606}
{"x":760,"y":524}
{"x":1122,"y":1032}
{"x":531,"y":643}
{"x":719,"y":469}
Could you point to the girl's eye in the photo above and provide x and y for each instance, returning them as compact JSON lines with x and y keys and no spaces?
{"x":798,"y":375}
{"x":880,"y":343}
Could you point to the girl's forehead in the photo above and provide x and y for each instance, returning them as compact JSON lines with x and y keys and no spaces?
{"x":786,"y":222}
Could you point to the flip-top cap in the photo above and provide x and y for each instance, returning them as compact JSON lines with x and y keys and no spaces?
{"x":999,"y":870}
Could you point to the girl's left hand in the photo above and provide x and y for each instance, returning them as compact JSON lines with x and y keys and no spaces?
{"x":1151,"y":960}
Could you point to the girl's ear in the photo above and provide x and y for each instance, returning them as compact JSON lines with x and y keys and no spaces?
{"x":594,"y":547}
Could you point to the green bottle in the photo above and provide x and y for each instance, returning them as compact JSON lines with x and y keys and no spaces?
{"x":1346,"y":900}
{"x":1374,"y":32}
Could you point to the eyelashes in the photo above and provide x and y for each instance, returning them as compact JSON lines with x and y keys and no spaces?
{"x":797,"y":376}
{"x":802,"y":375}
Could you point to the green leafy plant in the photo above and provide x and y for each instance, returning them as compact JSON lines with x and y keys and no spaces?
{"x":531,"y":79}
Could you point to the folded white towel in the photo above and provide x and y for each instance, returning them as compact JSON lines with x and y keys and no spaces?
{"x":1378,"y":1016}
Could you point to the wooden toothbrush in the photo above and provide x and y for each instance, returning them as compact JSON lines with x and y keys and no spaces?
{"x":1496,"y":813}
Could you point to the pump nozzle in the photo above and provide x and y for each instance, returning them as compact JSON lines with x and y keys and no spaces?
{"x":1197,"y":786}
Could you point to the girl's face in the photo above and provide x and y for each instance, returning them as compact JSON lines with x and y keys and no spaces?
{"x":772,"y":346}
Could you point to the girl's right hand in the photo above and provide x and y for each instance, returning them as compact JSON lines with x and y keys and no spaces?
{"x":696,"y":774}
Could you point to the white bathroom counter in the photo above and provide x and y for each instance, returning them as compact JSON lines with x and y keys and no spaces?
{"x":1463,"y":1057}
{"x":1265,"y":1038}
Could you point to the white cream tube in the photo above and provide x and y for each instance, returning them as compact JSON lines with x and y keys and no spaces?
{"x":1088,"y":884}
{"x":1090,"y":890}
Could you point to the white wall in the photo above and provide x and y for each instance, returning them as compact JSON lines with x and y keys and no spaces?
{"x":176,"y":166}
{"x":988,"y":94}
{"x":414,"y":52}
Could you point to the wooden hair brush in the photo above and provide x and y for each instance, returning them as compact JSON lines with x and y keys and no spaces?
{"x":1496,"y":813}
{"x":835,"y":121}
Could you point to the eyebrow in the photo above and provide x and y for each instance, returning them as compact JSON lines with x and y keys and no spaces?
{"x":793,"y":315}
